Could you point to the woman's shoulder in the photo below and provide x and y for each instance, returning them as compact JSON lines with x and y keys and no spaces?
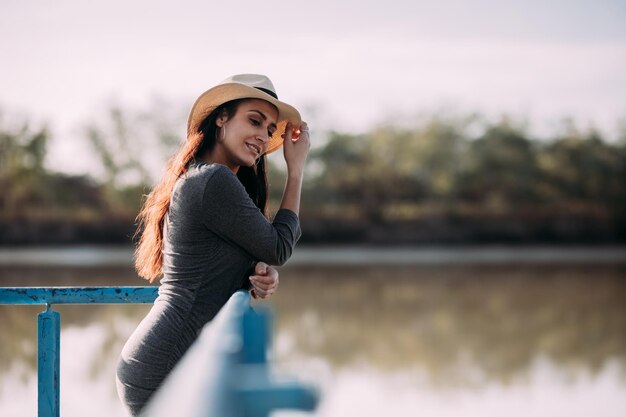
{"x":202,"y":177}
{"x":211,"y":173}
{"x":195,"y":178}
{"x":201,"y":172}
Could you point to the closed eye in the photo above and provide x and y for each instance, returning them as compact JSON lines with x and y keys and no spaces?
{"x":256,"y":122}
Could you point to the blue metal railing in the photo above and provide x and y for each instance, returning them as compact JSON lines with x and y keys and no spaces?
{"x":225,"y":373}
{"x":49,"y":327}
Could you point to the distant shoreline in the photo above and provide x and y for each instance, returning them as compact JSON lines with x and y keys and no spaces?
{"x":88,"y":256}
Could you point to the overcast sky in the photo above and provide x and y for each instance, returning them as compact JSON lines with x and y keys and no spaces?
{"x":346,"y":65}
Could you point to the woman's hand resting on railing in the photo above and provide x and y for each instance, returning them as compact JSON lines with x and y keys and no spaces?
{"x":264,"y":281}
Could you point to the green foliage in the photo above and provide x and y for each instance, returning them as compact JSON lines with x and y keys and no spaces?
{"x":131,"y":149}
{"x":119,"y":153}
{"x":28,"y":190}
{"x":500,"y":170}
{"x":24,"y":181}
{"x":439,"y":167}
{"x":444,"y":176}
{"x":585,"y":169}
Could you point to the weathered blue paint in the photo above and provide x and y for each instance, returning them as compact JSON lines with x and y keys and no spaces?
{"x":49,"y":327}
{"x":256,"y":328}
{"x":261,"y":399}
{"x":78,"y":295}
{"x":225,"y":372}
{"x":48,"y":362}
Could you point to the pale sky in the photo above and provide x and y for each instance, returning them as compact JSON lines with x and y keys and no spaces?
{"x":346,"y":65}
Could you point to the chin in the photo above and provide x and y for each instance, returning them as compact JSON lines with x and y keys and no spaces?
{"x":247,"y":162}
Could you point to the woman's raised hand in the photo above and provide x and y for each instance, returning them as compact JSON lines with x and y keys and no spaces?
{"x":296,"y":146}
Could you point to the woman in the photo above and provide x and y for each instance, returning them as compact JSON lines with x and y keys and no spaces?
{"x":204,"y":228}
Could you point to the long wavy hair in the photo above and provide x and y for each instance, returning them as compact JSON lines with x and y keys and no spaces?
{"x":150,"y":220}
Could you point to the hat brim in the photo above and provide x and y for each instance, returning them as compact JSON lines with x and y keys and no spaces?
{"x":220,"y":94}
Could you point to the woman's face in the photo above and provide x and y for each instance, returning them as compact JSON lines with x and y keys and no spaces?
{"x":244,"y":137}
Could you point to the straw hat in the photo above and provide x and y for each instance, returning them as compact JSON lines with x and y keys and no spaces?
{"x":244,"y":86}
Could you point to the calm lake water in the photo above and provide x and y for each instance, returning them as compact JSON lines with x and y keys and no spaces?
{"x":407,"y":332}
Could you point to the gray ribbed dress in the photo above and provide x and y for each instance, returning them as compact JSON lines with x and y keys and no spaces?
{"x":213,"y":236}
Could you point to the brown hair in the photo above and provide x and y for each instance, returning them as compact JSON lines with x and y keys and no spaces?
{"x":150,"y":220}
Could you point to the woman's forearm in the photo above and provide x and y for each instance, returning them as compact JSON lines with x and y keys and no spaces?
{"x":293,"y":190}
{"x":295,"y":152}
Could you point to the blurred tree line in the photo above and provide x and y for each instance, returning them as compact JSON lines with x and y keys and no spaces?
{"x":469,"y":180}
{"x":442,"y":180}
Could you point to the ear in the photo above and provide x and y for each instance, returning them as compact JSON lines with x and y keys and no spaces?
{"x":221,"y":119}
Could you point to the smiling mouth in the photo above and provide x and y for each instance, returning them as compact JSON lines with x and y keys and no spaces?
{"x":254,"y":148}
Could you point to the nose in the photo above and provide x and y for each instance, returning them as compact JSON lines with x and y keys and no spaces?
{"x":262,"y":138}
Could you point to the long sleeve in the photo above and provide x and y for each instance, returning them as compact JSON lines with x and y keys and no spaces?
{"x":229,"y":212}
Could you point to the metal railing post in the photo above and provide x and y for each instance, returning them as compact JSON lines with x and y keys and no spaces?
{"x":49,"y":327}
{"x":48,"y":362}
{"x":257,"y":392}
{"x":255,"y":332}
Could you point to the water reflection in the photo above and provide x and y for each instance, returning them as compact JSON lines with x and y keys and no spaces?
{"x":460,"y":325}
{"x":413,"y":336}
{"x":18,"y":324}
